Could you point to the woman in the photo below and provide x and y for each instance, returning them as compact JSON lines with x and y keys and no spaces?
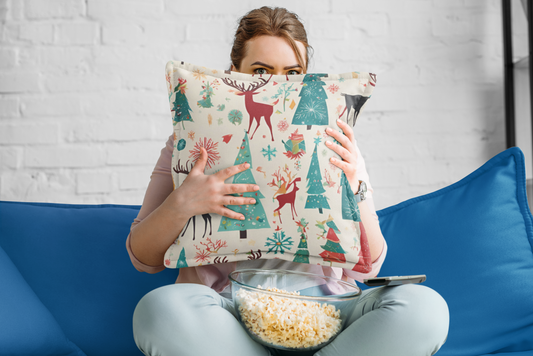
{"x":195,"y":316}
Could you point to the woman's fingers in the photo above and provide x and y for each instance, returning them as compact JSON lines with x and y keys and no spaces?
{"x":345,"y":148}
{"x":231,"y":171}
{"x":344,"y":140}
{"x":237,"y":200}
{"x":239,"y":188}
{"x":230,"y":214}
{"x":199,"y":166}
{"x":346,"y":129}
{"x":338,"y":149}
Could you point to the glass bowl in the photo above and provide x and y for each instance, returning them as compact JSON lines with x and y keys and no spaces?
{"x":290,"y":310}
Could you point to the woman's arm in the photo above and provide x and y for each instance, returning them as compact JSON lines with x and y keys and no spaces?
{"x":349,"y":154}
{"x":198,"y":194}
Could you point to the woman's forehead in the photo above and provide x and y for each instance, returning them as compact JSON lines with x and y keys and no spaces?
{"x":272,"y":49}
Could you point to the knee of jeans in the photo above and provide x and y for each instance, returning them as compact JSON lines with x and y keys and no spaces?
{"x":426,"y":309}
{"x":178,"y":299}
{"x":177,"y":295}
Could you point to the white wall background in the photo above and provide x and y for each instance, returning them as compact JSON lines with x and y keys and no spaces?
{"x":83,"y":103}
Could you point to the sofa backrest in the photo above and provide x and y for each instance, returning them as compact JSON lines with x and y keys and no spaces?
{"x":75,"y":260}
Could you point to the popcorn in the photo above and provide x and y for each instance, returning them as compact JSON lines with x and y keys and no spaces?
{"x":288,"y":322}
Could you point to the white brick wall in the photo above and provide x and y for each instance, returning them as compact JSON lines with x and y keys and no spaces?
{"x":83,"y":104}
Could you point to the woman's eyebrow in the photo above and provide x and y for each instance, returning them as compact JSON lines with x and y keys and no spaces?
{"x":293,"y":66}
{"x":271,"y":67}
{"x":262,"y":64}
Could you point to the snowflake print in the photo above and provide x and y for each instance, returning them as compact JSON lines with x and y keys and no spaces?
{"x":190,"y":135}
{"x":198,"y":75}
{"x":283,"y":125}
{"x":314,"y":111}
{"x":269,"y":152}
{"x":333,"y":88}
{"x":265,"y":99}
{"x":202,"y":256}
{"x":317,"y":140}
{"x":279,"y":243}
{"x":212,"y":151}
{"x":307,"y":92}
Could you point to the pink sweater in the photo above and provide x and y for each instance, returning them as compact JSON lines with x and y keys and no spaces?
{"x":216,"y":275}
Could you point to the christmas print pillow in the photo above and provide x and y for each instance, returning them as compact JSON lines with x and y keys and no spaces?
{"x":305,"y":210}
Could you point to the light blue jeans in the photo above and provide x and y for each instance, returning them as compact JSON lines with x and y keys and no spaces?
{"x":194,"y":320}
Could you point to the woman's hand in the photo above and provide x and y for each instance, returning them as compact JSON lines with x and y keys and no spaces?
{"x":200,"y":193}
{"x":346,"y":150}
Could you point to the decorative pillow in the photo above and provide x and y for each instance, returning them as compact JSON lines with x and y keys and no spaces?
{"x":305,"y":210}
{"x":26,"y":326}
{"x":474,"y":241}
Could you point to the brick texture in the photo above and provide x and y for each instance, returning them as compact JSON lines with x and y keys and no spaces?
{"x":84,"y":110}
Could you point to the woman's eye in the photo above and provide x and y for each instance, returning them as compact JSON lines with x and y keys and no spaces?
{"x":260,"y":71}
{"x":293,"y":72}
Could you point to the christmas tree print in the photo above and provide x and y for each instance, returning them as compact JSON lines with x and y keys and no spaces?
{"x":333,"y":251}
{"x":350,"y":210}
{"x":254,"y":214}
{"x":302,"y":254}
{"x":315,"y":188}
{"x":312,"y":108}
{"x":364,"y":265}
{"x":181,"y":109}
{"x":279,"y":243}
{"x":206,"y":93}
{"x":182,"y":261}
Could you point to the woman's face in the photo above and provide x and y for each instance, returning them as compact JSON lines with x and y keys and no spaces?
{"x":271,"y":55}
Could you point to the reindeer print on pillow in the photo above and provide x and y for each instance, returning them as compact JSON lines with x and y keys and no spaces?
{"x":305,"y":210}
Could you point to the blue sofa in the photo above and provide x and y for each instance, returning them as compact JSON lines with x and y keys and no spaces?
{"x":68,"y":287}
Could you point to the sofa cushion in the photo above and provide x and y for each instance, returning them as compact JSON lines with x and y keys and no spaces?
{"x":26,"y":326}
{"x":277,"y":124}
{"x":473,"y":240}
{"x":75,"y":259}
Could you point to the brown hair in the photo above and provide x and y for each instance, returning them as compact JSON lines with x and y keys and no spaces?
{"x":278,"y":22}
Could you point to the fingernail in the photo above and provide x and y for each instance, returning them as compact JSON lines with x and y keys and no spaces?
{"x":242,"y":218}
{"x":252,"y":201}
{"x":328,"y":129}
{"x":328,"y":143}
{"x":256,"y":187}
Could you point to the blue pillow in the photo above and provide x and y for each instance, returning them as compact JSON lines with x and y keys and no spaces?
{"x":74,"y":257}
{"x":26,"y":326}
{"x":473,"y":240}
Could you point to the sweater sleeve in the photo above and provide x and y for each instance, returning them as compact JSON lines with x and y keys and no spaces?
{"x":158,"y":190}
{"x":362,"y":174}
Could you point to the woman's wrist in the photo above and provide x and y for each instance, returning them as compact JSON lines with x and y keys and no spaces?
{"x":177,"y":204}
{"x":354,"y":184}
